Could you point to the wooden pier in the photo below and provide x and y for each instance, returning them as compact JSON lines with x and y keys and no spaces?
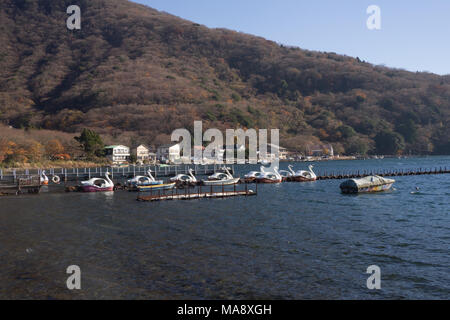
{"x":31,"y":184}
{"x":80,"y":174}
{"x":210,"y":192}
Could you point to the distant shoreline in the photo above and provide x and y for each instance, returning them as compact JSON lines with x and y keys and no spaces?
{"x":91,"y":164}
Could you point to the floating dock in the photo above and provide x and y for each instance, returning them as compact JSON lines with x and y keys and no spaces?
{"x":381,"y":173}
{"x":212,"y":192}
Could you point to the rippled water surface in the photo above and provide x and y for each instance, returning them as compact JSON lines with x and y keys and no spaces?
{"x":292,"y":241}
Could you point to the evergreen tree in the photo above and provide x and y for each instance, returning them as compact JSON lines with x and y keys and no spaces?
{"x":389,"y":143}
{"x":91,"y":142}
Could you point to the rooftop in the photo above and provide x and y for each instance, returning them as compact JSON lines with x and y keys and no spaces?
{"x":115,"y":146}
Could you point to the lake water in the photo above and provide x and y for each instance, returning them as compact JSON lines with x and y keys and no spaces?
{"x":292,"y":241}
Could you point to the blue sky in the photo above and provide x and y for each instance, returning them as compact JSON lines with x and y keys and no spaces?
{"x":414,"y":35}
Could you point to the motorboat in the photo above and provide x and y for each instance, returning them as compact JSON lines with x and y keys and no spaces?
{"x":366,"y":185}
{"x":98,"y":184}
{"x":219,"y":179}
{"x":302,"y":175}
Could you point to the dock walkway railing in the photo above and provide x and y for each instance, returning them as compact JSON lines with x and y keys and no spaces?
{"x":73,"y":174}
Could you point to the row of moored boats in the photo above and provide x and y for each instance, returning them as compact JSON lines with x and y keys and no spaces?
{"x":225,"y":178}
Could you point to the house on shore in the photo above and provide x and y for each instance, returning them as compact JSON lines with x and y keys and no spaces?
{"x":236,"y":150}
{"x":143,"y":155}
{"x":271,"y":152}
{"x":321,"y":150}
{"x":169,"y":153}
{"x":118,"y":154}
{"x":217,"y":155}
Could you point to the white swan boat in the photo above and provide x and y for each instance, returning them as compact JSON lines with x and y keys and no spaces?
{"x":270,"y":177}
{"x":302,"y":175}
{"x":143,"y":181}
{"x":219,"y":179}
{"x":44,"y":179}
{"x":98,"y":184}
{"x":264,"y":162}
{"x":285,"y":175}
{"x":253,"y":175}
{"x":185,"y":178}
{"x":221,"y":175}
{"x":366,"y":185}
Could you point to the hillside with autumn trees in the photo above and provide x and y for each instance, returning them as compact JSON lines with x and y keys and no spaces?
{"x":134,"y":74}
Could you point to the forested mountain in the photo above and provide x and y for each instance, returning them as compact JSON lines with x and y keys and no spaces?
{"x":135,"y":73}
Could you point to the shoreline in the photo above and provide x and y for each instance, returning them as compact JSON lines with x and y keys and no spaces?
{"x":56,"y":164}
{"x":70,"y":164}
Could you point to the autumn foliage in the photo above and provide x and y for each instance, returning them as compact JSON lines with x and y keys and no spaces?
{"x":135,"y":74}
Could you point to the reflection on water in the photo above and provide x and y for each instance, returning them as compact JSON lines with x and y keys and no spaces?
{"x":293,"y":240}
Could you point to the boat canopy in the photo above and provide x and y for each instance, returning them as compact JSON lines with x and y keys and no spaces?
{"x":366,"y":182}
